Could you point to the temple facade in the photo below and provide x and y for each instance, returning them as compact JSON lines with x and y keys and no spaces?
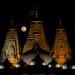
{"x":61,"y":48}
{"x":36,"y":43}
{"x":11,"y":47}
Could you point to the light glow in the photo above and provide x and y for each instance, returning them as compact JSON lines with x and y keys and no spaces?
{"x":44,"y":63}
{"x":64,"y":67}
{"x":49,"y":65}
{"x":1,"y":67}
{"x":17,"y":65}
{"x":32,"y":63}
{"x":73,"y":67}
{"x":58,"y":65}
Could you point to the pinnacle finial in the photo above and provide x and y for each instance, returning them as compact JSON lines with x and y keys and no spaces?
{"x":11,"y":22}
{"x":60,"y":23}
{"x":34,"y":12}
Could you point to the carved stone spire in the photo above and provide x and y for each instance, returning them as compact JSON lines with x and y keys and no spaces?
{"x":61,"y":48}
{"x":11,"y":48}
{"x":36,"y":41}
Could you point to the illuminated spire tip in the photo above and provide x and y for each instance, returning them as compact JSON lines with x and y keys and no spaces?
{"x":60,"y":23}
{"x":34,"y":12}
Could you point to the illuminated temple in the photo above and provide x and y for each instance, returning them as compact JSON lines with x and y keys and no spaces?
{"x":37,"y":44}
{"x":11,"y":47}
{"x":36,"y":50}
{"x":61,"y":49}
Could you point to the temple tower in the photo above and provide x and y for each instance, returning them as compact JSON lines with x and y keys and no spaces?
{"x":36,"y":42}
{"x":35,"y":37}
{"x":11,"y":48}
{"x":61,"y":49}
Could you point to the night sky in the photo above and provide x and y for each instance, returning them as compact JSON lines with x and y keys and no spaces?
{"x":48,"y":13}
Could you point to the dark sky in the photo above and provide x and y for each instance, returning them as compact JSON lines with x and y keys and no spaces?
{"x":48,"y":13}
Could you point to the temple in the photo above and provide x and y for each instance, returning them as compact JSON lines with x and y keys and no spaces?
{"x":36,"y":43}
{"x":61,"y":48}
{"x":11,"y":48}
